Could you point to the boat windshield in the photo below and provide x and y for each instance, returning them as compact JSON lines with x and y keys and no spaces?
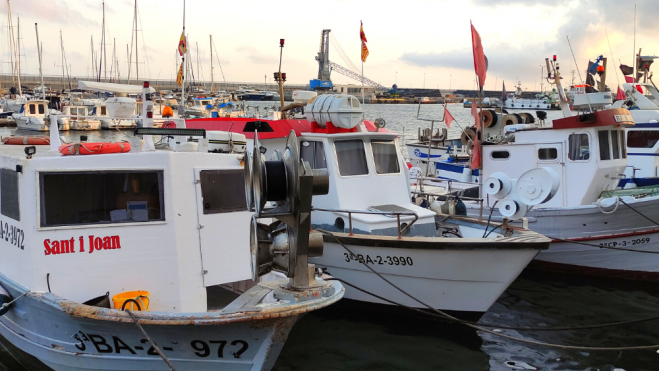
{"x":351,"y":157}
{"x":385,"y":156}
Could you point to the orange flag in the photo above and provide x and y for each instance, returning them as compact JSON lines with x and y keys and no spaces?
{"x":476,"y":155}
{"x":179,"y":76}
{"x":362,"y":36}
{"x":182,"y":44}
{"x":480,"y":62}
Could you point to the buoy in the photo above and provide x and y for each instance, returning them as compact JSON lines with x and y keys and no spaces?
{"x":167,"y":111}
{"x":94,"y":148}
{"x":4,"y":299}
{"x":26,"y":140}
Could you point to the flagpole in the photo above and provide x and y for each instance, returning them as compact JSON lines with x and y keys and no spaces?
{"x":480,"y":147}
{"x":181,"y":112}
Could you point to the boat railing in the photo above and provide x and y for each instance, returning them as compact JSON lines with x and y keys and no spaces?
{"x":375,"y":212}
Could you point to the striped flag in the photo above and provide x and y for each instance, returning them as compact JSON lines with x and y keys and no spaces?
{"x":362,"y":36}
{"x":182,"y":44}
{"x":179,"y":76}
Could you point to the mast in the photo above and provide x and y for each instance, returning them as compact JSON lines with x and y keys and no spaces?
{"x":115,"y":59}
{"x":182,"y":109}
{"x":36,"y":30}
{"x":198,"y":73}
{"x":18,"y":72}
{"x":105,"y":52}
{"x":12,"y":46}
{"x":137,"y":60}
{"x":61,"y":46}
{"x":212,"y":81}
{"x":128,"y":59}
{"x":93,"y":68}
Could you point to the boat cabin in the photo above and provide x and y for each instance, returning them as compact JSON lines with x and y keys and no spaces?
{"x":364,"y":168}
{"x":35,"y":108}
{"x":587,"y":151}
{"x":74,"y":111}
{"x":81,"y":226}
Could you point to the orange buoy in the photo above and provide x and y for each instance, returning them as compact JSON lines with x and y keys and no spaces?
{"x":167,"y":112}
{"x":26,"y":140}
{"x":94,"y":148}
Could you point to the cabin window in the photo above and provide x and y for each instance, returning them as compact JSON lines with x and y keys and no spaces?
{"x":500,"y":155}
{"x":314,"y":153}
{"x":101,"y":197}
{"x":547,"y":154}
{"x":41,"y":109}
{"x":615,"y":144}
{"x":223,"y":191}
{"x":9,"y":194}
{"x":33,"y":109}
{"x":579,"y":149}
{"x":603,"y":136}
{"x":351,"y":157}
{"x":103,"y":111}
{"x":385,"y":156}
{"x":642,"y":138}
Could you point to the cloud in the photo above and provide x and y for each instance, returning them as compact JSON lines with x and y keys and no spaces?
{"x":585,"y":25}
{"x":255,"y":56}
{"x":54,"y":11}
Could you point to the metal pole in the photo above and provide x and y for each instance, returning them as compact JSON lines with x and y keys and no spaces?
{"x":137,"y":59}
{"x":105,"y":51}
{"x":18,"y":37}
{"x":281,"y":81}
{"x":212,"y":79}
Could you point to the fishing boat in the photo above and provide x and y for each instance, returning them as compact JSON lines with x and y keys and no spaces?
{"x":76,"y":118}
{"x":34,"y":115}
{"x":596,"y":228}
{"x":514,"y":100}
{"x":448,"y":264}
{"x":141,"y":259}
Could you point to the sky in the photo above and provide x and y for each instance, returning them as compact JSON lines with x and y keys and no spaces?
{"x":413,"y":43}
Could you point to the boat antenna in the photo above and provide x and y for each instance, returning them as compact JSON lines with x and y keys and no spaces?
{"x":578,"y":71}
{"x":634,"y":51}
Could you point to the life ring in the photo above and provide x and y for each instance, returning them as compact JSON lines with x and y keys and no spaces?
{"x":94,"y":148}
{"x":26,"y":140}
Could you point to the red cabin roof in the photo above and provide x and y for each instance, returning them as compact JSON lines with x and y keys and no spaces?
{"x":274,"y":129}
{"x":608,"y":117}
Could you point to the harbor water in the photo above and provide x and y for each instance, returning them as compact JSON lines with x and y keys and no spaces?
{"x":346,"y":336}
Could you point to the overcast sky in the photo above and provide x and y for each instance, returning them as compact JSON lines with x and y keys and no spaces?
{"x":407,"y":39}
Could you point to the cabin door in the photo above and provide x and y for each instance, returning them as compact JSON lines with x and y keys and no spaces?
{"x":551,"y":155}
{"x":223,"y":225}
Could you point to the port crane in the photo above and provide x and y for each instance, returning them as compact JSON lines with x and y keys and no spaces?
{"x":325,"y":66}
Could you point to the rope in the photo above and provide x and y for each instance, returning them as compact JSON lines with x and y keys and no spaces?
{"x":608,"y":212}
{"x":441,"y":318}
{"x":5,"y":305}
{"x":482,"y":328}
{"x":638,"y":212}
{"x":153,"y":344}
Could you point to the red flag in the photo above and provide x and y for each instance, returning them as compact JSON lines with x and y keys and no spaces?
{"x":620,"y":95}
{"x":480,"y":63}
{"x":448,"y":117}
{"x":630,"y":80}
{"x":474,"y":112}
{"x":476,"y":155}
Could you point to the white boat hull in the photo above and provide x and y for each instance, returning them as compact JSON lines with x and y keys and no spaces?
{"x":454,"y":280}
{"x":624,"y":228}
{"x":118,"y":124}
{"x":30,"y":123}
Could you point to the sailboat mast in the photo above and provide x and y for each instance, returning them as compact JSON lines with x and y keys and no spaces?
{"x":129,"y":60}
{"x":18,"y":72}
{"x":137,"y":59}
{"x":105,"y":52}
{"x":39,"y":48}
{"x":12,"y":46}
{"x":61,"y":47}
{"x":181,"y":110}
{"x":212,"y":80}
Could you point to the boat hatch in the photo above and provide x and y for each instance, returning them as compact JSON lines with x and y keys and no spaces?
{"x":220,"y":195}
